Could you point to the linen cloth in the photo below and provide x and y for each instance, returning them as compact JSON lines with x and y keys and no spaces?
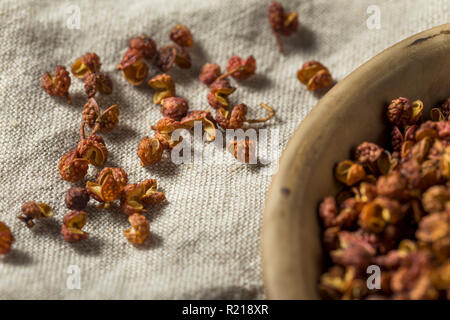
{"x":205,"y":240}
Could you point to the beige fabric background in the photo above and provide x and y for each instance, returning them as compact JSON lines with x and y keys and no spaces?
{"x":206,"y":239}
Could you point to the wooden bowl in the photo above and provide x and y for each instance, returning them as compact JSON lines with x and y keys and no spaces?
{"x":353,"y":111}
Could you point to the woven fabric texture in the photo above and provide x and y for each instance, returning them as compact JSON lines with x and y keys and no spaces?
{"x":205,"y":240}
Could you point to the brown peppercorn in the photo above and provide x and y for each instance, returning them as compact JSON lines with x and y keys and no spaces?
{"x":73,"y":222}
{"x":135,"y":196}
{"x":281,"y":23}
{"x":150,"y":151}
{"x":209,"y":73}
{"x":445,"y":108}
{"x":368,"y":152}
{"x":219,"y":92}
{"x":90,"y":62}
{"x":77,"y":198}
{"x":188,"y":122}
{"x":435,"y":198}
{"x":164,"y":129}
{"x":145,"y":45}
{"x":91,"y":112}
{"x":241,"y":69}
{"x":59,"y":84}
{"x":349,"y":172}
{"x":32,"y":210}
{"x":243,"y":150}
{"x":328,"y":211}
{"x":134,"y":69}
{"x":392,"y":186}
{"x":170,"y":55}
{"x":233,"y":120}
{"x":93,"y":150}
{"x":181,"y":36}
{"x":139,"y":231}
{"x":109,"y":119}
{"x":163,"y":85}
{"x":72,"y":167}
{"x":97,"y":81}
{"x":400,"y":112}
{"x":108,"y":186}
{"x":6,"y":239}
{"x":314,"y":75}
{"x":174,"y":107}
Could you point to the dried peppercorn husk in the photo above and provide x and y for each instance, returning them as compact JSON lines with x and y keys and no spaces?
{"x":133,"y":67}
{"x":150,"y":151}
{"x":135,"y":196}
{"x":164,"y":129}
{"x":90,"y":62}
{"x":209,"y":73}
{"x":239,"y":68}
{"x":182,"y":36}
{"x":163,"y":85}
{"x":281,"y":23}
{"x":32,"y":210}
{"x":57,"y":85}
{"x":100,"y":122}
{"x":6,"y":239}
{"x":174,"y":108}
{"x":188,"y":122}
{"x":92,"y":149}
{"x":400,"y":112}
{"x":237,"y":117}
{"x":145,"y":45}
{"x":97,"y":81}
{"x":349,"y":172}
{"x":72,"y":167}
{"x":108,"y":186}
{"x":314,"y":75}
{"x":73,"y":222}
{"x":243,"y":150}
{"x":219,"y":92}
{"x":77,"y":198}
{"x":172,"y":54}
{"x":139,"y":231}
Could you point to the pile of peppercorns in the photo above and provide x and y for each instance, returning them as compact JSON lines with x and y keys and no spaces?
{"x":112,"y":183}
{"x":394,"y":212}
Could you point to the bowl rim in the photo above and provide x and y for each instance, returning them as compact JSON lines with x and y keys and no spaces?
{"x":275,"y":226}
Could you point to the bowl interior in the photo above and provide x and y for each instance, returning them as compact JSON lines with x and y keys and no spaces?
{"x":352,"y":112}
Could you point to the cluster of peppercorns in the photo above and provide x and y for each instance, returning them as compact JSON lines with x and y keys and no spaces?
{"x":135,"y":70}
{"x":394,"y":212}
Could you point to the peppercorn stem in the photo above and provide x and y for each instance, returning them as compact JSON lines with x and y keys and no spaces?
{"x":279,"y":43}
{"x":271,"y":114}
{"x":82,"y":134}
{"x":229,"y":73}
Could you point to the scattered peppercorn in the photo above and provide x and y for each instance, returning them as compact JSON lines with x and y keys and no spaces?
{"x":181,"y":36}
{"x":72,"y":167}
{"x":97,"y":81}
{"x":219,"y":92}
{"x":89,"y":63}
{"x":150,"y":151}
{"x":77,"y":198}
{"x":174,"y":107}
{"x":243,"y":150}
{"x":92,"y":149}
{"x":32,"y":210}
{"x":281,"y":23}
{"x":6,"y":239}
{"x":59,"y":84}
{"x":209,"y":73}
{"x":133,"y":67}
{"x":139,"y":231}
{"x":145,"y":45}
{"x":135,"y":197}
{"x":241,"y":69}
{"x":108,"y":186}
{"x":315,"y":76}
{"x":73,"y":222}
{"x":173,"y":54}
{"x":164,"y":87}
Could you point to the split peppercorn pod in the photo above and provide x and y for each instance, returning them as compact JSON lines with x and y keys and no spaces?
{"x":164,"y":129}
{"x":97,"y":81}
{"x":219,"y":92}
{"x":59,"y":84}
{"x":349,"y":172}
{"x":108,"y":186}
{"x":133,"y":67}
{"x":88,"y":63}
{"x":72,"y":167}
{"x":174,"y":107}
{"x":243,"y":150}
{"x":77,"y":198}
{"x":73,"y":223}
{"x":139,"y":231}
{"x":6,"y":239}
{"x":150,"y":151}
{"x":100,"y":122}
{"x":135,"y":197}
{"x":239,"y":68}
{"x":92,"y":149}
{"x":237,"y":117}
{"x":209,"y":73}
{"x":281,"y":23}
{"x":400,"y":112}
{"x":188,"y":122}
{"x":145,"y":45}
{"x":182,"y":36}
{"x":164,"y":87}
{"x":315,"y":76}
{"x":32,"y":210}
{"x":172,"y":54}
